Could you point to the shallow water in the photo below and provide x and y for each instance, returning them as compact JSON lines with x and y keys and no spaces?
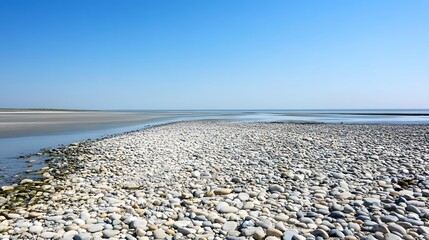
{"x":31,"y":141}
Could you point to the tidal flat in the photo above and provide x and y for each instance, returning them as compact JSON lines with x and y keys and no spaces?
{"x":226,"y":180}
{"x":21,"y":122}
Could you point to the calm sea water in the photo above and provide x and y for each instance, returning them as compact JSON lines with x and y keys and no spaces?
{"x":13,"y":168}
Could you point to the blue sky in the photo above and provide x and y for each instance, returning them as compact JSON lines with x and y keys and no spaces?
{"x":220,"y":54}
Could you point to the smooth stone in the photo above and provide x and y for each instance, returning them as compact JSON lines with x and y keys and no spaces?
{"x":196,"y":174}
{"x":108,"y":233}
{"x":371,"y":202}
{"x":36,"y":229}
{"x":413,"y":221}
{"x":113,"y":209}
{"x":389,"y":218}
{"x":13,"y":216}
{"x":159,"y":234}
{"x":48,"y":235}
{"x":280,"y":226}
{"x":298,"y":237}
{"x":337,"y":207}
{"x":247,"y":224}
{"x":3,"y":201}
{"x":72,"y":235}
{"x":336,"y":233}
{"x":380,"y":228}
{"x":187,"y":231}
{"x":248,"y":231}
{"x":95,"y":228}
{"x":138,"y":223}
{"x":423,"y":230}
{"x":248,"y":205}
{"x":84,"y":215}
{"x":79,"y":221}
{"x":306,"y":220}
{"x":413,"y":208}
{"x":222,"y":191}
{"x":129,"y":237}
{"x":321,"y":233}
{"x":229,"y":237}
{"x":276,"y":188}
{"x":230,"y":225}
{"x":348,"y":209}
{"x":140,"y":232}
{"x":337,"y":214}
{"x":344,"y":195}
{"x":228,"y":209}
{"x":243,"y":196}
{"x":180,"y":224}
{"x":323,"y":211}
{"x":81,"y":236}
{"x":337,"y":175}
{"x":259,"y":234}
{"x":272,"y":238}
{"x":23,"y":224}
{"x":7,"y":188}
{"x":354,"y":226}
{"x":273,"y":232}
{"x":281,"y":217}
{"x":264,"y":223}
{"x":288,"y":234}
{"x":25,"y":181}
{"x":393,"y":227}
{"x":391,"y":236}
{"x":221,"y":205}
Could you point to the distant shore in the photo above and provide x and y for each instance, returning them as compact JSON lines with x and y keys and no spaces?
{"x":223,"y":180}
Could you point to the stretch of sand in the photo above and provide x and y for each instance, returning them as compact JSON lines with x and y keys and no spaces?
{"x":17,"y":123}
{"x":220,"y":180}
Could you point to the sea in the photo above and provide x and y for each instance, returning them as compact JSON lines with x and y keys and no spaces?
{"x":13,"y":166}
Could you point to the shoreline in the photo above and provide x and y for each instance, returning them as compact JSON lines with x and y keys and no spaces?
{"x":225,"y":179}
{"x":39,"y":123}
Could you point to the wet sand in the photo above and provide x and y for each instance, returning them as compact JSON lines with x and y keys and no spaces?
{"x":18,"y":123}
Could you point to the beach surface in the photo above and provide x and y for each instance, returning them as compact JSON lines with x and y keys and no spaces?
{"x":224,"y":180}
{"x":18,"y":123}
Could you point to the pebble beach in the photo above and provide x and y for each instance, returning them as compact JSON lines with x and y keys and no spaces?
{"x":228,"y":180}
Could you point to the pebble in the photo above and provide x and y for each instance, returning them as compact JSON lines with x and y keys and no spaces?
{"x":337,"y":214}
{"x":36,"y":229}
{"x":72,"y":233}
{"x":228,"y":209}
{"x":222,"y":191}
{"x":159,"y":234}
{"x":321,"y":233}
{"x":95,"y":228}
{"x":48,"y":235}
{"x":354,"y":226}
{"x":225,"y":180}
{"x":273,"y":232}
{"x":393,"y":227}
{"x":289,"y":234}
{"x":264,"y":223}
{"x":389,"y":218}
{"x":391,"y":236}
{"x":187,"y":231}
{"x":229,"y":225}
{"x":108,"y":233}
{"x":276,"y":188}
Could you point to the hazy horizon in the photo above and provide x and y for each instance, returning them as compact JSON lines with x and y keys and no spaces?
{"x":214,"y":55}
{"x":220,"y":109}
